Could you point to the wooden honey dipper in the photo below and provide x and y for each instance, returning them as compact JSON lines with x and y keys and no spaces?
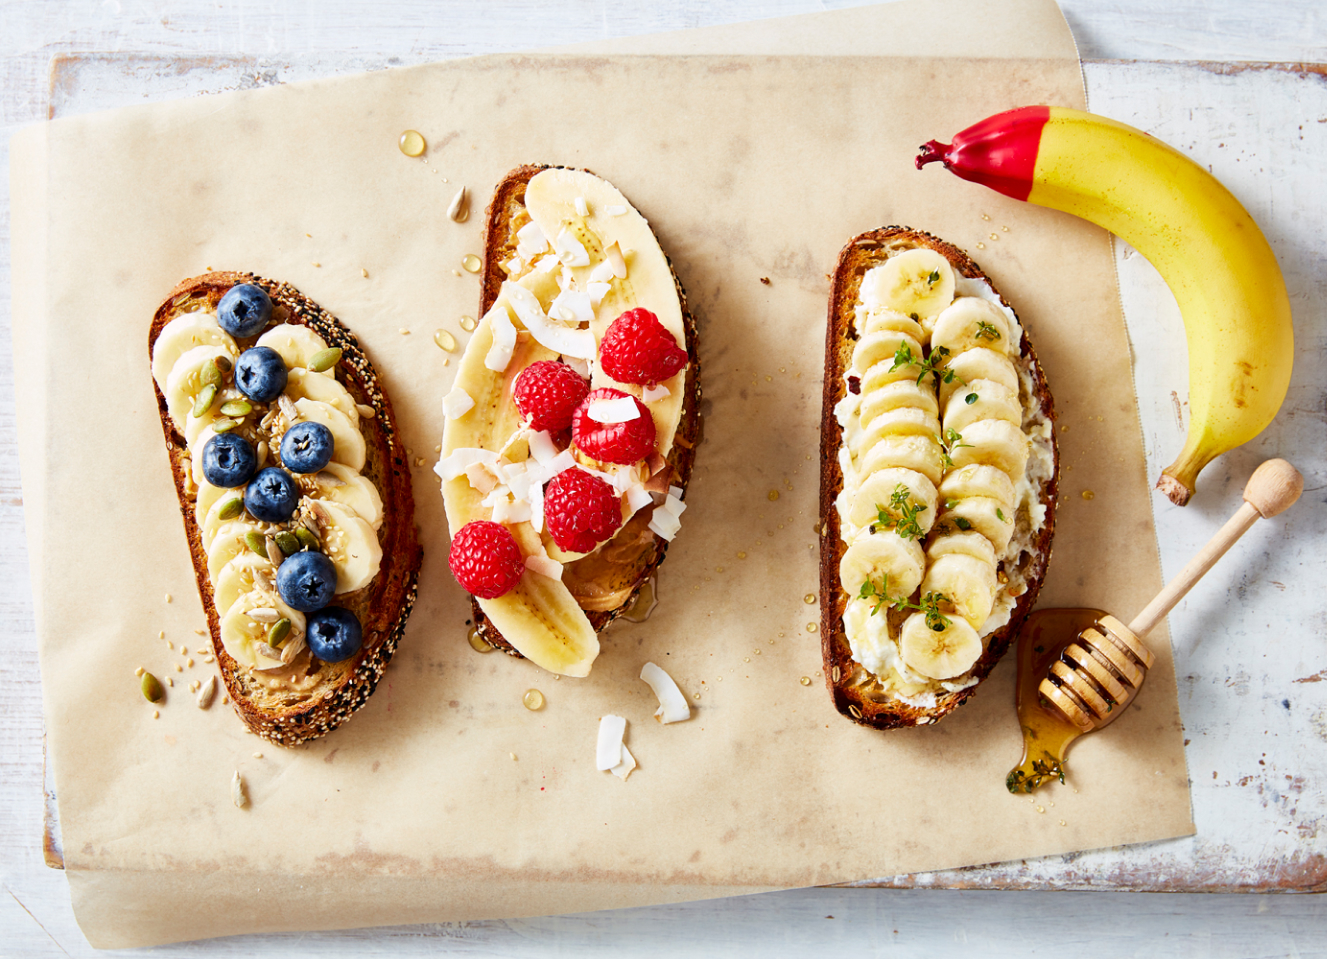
{"x":1096,"y":674}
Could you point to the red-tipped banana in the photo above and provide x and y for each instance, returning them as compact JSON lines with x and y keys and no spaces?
{"x":1200,"y":239}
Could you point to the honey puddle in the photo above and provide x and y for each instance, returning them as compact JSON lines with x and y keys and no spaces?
{"x":1046,"y":733}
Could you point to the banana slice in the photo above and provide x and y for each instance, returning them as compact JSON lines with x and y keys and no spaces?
{"x":970,"y":543}
{"x":348,"y":446}
{"x":905,"y":421}
{"x":972,"y":323}
{"x":323,"y":387}
{"x":207,"y":497}
{"x":296,"y":344}
{"x":341,"y":484}
{"x":185,"y":380}
{"x":966,"y":582}
{"x":196,"y":455}
{"x":886,"y":560}
{"x":207,"y":529}
{"x":551,"y":200}
{"x":946,"y":654}
{"x":870,"y":321}
{"x":227,"y":544}
{"x":979,"y":364}
{"x":882,"y":347}
{"x":239,"y":633}
{"x":993,"y":443}
{"x":982,"y":400}
{"x":978,"y":480}
{"x":351,"y":545}
{"x":896,"y":395}
{"x":920,"y":453}
{"x":919,"y":282}
{"x":876,"y":493}
{"x":987,"y":516}
{"x":237,"y":577}
{"x":183,"y":334}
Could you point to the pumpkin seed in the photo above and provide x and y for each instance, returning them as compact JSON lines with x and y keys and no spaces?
{"x":224,"y":364}
{"x":324,"y":360}
{"x":288,"y":543}
{"x":307,"y":539}
{"x":237,"y":407}
{"x":231,"y":508}
{"x":278,"y":632}
{"x":204,"y":400}
{"x":211,"y":374}
{"x":223,"y":424}
{"x":256,"y":542}
{"x":152,"y":690}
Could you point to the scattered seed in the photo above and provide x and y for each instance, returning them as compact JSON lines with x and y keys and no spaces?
{"x":179,"y":668}
{"x":237,"y":793}
{"x":156,"y":714}
{"x":257,"y":755}
{"x":168,"y":597}
{"x":139,"y":671}
{"x":368,"y":412}
{"x":306,"y":539}
{"x":273,"y":551}
{"x":459,"y":208}
{"x":151,"y":688}
{"x":211,"y":374}
{"x":170,"y":682}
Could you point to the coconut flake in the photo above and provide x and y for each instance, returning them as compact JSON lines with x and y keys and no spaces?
{"x":461,"y":459}
{"x":513,"y":266}
{"x":537,"y":507}
{"x":623,"y":769}
{"x":481,"y":477}
{"x":608,"y":750}
{"x":597,"y":291}
{"x":570,"y":250}
{"x":542,"y":447}
{"x":561,"y":463}
{"x":582,"y":208}
{"x":638,"y":497}
{"x":504,"y":338}
{"x":580,"y":364}
{"x":674,"y":505}
{"x":664,"y":524}
{"x":652,"y":393}
{"x":457,"y":403}
{"x":620,"y":409}
{"x":507,"y":511}
{"x":617,"y":209}
{"x":572,"y":306}
{"x":602,"y":272}
{"x":530,"y":240}
{"x":616,"y":260}
{"x":543,"y":565}
{"x":558,"y":338}
{"x":673,"y":706}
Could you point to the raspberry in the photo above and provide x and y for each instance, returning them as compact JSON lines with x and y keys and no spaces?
{"x":485,"y":559}
{"x":581,"y":510}
{"x":637,"y":349}
{"x":628,"y":442}
{"x":547,"y":393}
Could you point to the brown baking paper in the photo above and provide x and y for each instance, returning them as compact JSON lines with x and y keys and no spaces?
{"x":445,"y":798}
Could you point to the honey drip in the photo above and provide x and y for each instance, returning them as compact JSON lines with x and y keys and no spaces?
{"x":471,"y":263}
{"x":412,"y":143}
{"x":533,"y":700}
{"x":646,"y":599}
{"x":468,"y":324}
{"x":477,"y":642}
{"x":444,"y":340}
{"x":1046,"y":733}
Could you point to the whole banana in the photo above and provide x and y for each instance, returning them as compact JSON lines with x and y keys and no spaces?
{"x":1216,"y":261}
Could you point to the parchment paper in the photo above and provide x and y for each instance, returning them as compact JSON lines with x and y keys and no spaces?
{"x":446,"y":799}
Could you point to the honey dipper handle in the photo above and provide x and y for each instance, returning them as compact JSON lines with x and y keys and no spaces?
{"x":1272,"y":488}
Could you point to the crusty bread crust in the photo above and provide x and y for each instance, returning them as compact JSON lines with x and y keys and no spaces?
{"x":635,"y":537}
{"x":383,"y":606}
{"x":850,"y":684}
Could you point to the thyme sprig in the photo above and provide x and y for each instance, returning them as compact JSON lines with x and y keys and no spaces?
{"x":929,"y":606}
{"x":987,"y":331}
{"x":933,"y":364}
{"x":901,"y":514}
{"x":949,"y":441}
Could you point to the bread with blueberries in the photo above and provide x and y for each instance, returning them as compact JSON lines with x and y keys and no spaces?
{"x":938,"y":479}
{"x":295,"y":493}
{"x":571,"y":427}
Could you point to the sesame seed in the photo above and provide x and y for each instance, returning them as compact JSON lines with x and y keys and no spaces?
{"x":138,"y":671}
{"x":156,"y":714}
{"x":168,"y":597}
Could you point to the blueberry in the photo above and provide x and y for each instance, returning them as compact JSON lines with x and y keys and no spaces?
{"x":244,"y":310}
{"x":306,"y":581}
{"x":272,"y":496}
{"x":333,"y":634}
{"x":228,"y":461}
{"x":306,"y":447}
{"x":260,"y":374}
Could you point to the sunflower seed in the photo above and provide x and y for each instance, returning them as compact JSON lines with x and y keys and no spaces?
{"x":274,"y":554}
{"x":237,"y":794}
{"x":292,"y":649}
{"x":459,"y":209}
{"x":266,"y":421}
{"x":366,"y":411}
{"x":206,"y":692}
{"x":266,"y":651}
{"x":328,"y":480}
{"x":264,"y":614}
{"x":262,"y":453}
{"x":287,"y":408}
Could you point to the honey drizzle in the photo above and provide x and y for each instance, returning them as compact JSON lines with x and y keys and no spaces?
{"x":1046,"y":733}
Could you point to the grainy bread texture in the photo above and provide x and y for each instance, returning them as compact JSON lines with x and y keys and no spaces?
{"x":856,"y":693}
{"x":634,"y":553}
{"x":326,"y":693}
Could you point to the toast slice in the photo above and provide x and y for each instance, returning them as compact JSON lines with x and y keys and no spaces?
{"x":863,"y":331}
{"x":306,"y":697}
{"x":606,"y":582}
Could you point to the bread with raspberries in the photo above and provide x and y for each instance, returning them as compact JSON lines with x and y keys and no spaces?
{"x":296,"y":498}
{"x":574,"y":417}
{"x":938,"y":479}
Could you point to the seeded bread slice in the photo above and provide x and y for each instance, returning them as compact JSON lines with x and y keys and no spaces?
{"x":856,"y":693}
{"x":622,"y":565}
{"x":333,"y":690}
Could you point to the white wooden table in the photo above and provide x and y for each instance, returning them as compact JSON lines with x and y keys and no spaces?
{"x":1250,"y":642}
